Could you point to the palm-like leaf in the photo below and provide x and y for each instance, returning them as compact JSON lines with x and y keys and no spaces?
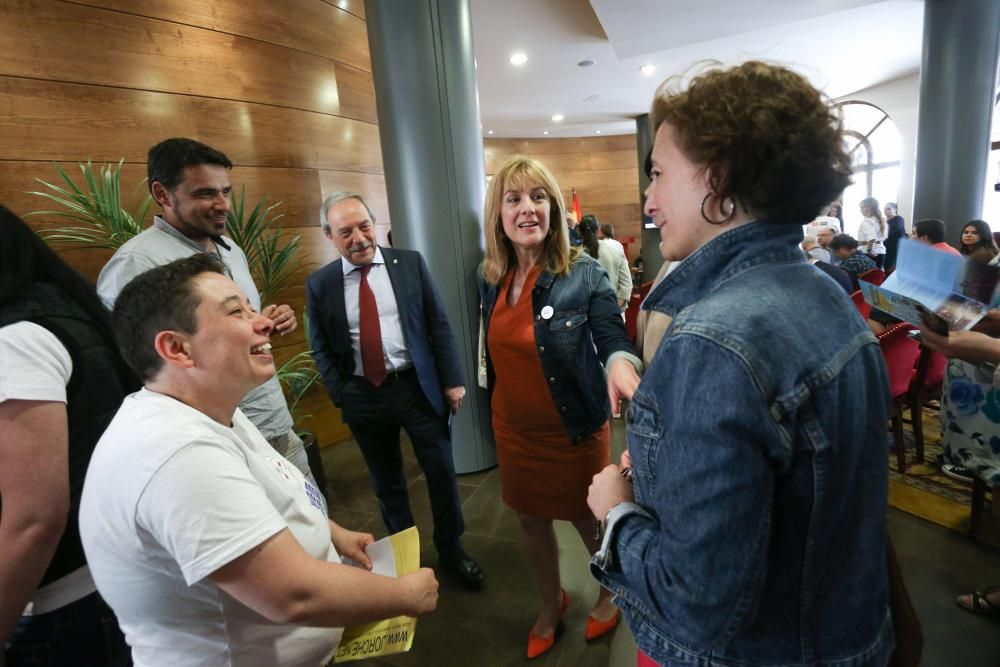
{"x":272,"y":263}
{"x":268,"y":253}
{"x":298,"y":375}
{"x":100,"y":219}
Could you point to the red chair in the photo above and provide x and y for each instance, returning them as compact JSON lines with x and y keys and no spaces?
{"x":925,"y":385}
{"x":900,"y":352}
{"x":873,"y":276}
{"x":863,"y":307}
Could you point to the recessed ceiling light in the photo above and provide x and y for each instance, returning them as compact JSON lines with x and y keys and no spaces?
{"x":490,"y":132}
{"x":557,"y":118}
{"x":545,"y":131}
{"x":597,"y":131}
{"x":585,"y":63}
{"x":518,"y":58}
{"x":648,"y":69}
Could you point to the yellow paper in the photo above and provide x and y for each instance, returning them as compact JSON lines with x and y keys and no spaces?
{"x":393,"y":556}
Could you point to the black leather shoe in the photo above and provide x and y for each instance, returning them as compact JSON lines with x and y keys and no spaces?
{"x":461,"y":566}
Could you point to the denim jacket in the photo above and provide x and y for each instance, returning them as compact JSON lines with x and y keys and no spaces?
{"x":573,"y":314}
{"x":758,"y":444}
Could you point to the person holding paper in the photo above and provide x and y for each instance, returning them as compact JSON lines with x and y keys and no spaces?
{"x":741,"y":526}
{"x":968,"y":395}
{"x":980,"y":355}
{"x":212,"y":548}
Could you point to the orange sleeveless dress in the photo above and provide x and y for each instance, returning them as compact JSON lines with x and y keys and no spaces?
{"x":541,"y":472}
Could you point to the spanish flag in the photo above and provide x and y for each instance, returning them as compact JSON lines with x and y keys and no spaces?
{"x":576,"y":205}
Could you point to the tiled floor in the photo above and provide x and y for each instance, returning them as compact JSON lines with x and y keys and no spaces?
{"x":491,"y":627}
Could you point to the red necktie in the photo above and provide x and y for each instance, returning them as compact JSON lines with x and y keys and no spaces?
{"x":371,"y":331}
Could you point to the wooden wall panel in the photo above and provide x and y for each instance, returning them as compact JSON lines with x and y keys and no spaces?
{"x":356,"y":7}
{"x":109,"y":48}
{"x":283,"y":88}
{"x":563,"y":163}
{"x":604,"y":171}
{"x":614,"y":142}
{"x":45,"y":120}
{"x":301,"y":191}
{"x":304,"y":25}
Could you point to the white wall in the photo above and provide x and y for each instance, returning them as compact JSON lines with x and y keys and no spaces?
{"x":898,"y":98}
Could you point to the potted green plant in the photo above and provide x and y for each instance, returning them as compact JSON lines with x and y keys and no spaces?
{"x":271,"y":258}
{"x":99,"y":219}
{"x":269,"y":253}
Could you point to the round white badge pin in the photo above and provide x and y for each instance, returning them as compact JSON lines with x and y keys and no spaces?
{"x":547,"y":312}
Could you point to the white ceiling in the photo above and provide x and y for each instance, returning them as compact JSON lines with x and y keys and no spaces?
{"x":842,"y":46}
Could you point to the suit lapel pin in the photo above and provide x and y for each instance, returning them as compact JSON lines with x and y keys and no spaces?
{"x":395,"y":261}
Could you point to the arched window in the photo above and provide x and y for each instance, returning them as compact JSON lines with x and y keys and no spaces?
{"x":875,"y":148}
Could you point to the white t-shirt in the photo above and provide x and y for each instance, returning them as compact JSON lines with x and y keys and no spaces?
{"x":170,"y":497}
{"x":870,"y":236}
{"x":35,"y":366}
{"x":870,"y":230}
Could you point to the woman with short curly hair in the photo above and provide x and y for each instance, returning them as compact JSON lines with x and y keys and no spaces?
{"x":752,"y":528}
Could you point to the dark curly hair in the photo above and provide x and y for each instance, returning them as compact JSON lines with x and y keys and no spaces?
{"x":763,"y":134}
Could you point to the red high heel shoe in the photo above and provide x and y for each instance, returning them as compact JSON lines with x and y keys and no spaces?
{"x":539,"y":645}
{"x":597,"y":628}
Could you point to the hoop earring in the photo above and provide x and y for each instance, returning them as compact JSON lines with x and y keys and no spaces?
{"x":729,"y":216}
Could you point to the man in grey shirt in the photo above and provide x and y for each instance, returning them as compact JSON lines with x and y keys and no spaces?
{"x":190,"y":181}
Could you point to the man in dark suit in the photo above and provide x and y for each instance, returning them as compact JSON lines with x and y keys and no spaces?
{"x":382,"y":342}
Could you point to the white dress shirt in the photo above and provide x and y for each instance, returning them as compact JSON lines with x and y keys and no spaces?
{"x":394,"y":351}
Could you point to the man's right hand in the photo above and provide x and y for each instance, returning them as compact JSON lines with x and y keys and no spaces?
{"x":423,"y":589}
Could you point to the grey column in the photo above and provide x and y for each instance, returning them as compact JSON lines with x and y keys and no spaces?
{"x":432,"y":150}
{"x":957,"y":83}
{"x":652,"y":260}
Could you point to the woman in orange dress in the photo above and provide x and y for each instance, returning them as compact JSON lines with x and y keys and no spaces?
{"x":552,"y":326}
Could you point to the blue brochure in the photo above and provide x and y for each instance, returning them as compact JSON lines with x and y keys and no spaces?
{"x":948,"y":285}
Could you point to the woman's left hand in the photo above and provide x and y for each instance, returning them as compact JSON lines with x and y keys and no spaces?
{"x":351,"y":544}
{"x":622,"y":382}
{"x":608,"y":489}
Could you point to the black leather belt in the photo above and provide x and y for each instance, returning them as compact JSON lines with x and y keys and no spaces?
{"x":397,"y":375}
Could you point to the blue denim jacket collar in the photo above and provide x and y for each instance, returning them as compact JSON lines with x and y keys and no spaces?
{"x":545,"y":280}
{"x":762,"y":241}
